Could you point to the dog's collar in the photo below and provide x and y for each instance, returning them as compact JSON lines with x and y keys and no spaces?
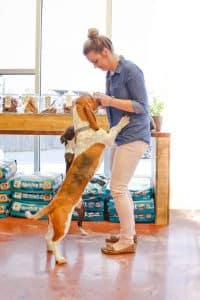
{"x":81,"y":129}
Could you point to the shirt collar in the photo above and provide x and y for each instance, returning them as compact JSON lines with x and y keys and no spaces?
{"x":119,"y":67}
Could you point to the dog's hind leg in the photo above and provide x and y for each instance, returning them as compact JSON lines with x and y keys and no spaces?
{"x":80,"y":209}
{"x":60,"y":225}
{"x":49,"y":235}
{"x":59,"y":259}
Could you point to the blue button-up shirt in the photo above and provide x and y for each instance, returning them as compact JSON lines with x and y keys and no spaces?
{"x":128,"y":83}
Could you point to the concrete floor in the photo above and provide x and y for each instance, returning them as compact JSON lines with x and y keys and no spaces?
{"x":166,"y":265}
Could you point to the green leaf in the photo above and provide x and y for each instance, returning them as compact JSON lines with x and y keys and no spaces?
{"x":156,"y":107}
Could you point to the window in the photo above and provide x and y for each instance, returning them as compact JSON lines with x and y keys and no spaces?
{"x":17,"y":27}
{"x":64,"y":67}
{"x":17,"y":53}
{"x":52,"y":154}
{"x":17,"y":84}
{"x":17,"y":147}
{"x":65,"y":26}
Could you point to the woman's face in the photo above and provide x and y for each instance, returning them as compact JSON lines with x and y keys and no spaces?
{"x":100,"y":60}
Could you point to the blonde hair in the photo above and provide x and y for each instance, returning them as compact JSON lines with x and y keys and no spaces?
{"x":96,"y":42}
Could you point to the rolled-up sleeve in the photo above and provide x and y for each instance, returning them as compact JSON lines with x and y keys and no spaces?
{"x":137,"y":90}
{"x":138,"y":108}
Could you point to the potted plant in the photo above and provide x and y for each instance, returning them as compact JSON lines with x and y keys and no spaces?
{"x":157,"y":107}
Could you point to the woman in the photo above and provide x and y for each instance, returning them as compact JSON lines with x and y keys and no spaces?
{"x":125,"y":95}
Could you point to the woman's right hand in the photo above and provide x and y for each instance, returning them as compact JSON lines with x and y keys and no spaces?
{"x":104,"y":99}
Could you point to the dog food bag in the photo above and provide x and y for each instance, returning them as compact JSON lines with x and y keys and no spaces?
{"x":144,"y":206}
{"x":4,"y":197}
{"x":94,"y":205}
{"x":96,"y":186}
{"x":113,"y":218}
{"x":7,"y":169}
{"x":23,"y":196}
{"x":94,"y":189}
{"x":41,"y":184}
{"x":90,"y":216}
{"x":145,"y":218}
{"x":93,"y":216}
{"x":144,"y":211}
{"x":100,"y":179}
{"x":4,"y":210}
{"x":141,"y":189}
{"x":18,"y":208}
{"x":5,"y":186}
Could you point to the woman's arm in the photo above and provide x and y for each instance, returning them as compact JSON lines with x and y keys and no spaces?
{"x":137,"y":92}
{"x":126,"y":105}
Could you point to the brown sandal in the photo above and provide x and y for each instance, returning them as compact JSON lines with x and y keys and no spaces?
{"x":109,"y":249}
{"x":114,"y":239}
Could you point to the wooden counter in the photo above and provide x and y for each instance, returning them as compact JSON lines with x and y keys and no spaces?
{"x":55,"y":124}
{"x":39,"y":124}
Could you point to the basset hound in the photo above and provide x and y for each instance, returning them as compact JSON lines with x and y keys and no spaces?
{"x":90,"y":144}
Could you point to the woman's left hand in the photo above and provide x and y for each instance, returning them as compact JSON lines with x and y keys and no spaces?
{"x":104,"y":99}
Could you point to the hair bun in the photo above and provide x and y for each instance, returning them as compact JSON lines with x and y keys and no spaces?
{"x":93,"y":33}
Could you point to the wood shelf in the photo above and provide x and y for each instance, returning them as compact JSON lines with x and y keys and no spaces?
{"x":39,"y":124}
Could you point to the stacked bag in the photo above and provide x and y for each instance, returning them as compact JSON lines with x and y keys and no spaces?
{"x":33,"y":192}
{"x":94,"y":198}
{"x":144,"y":206}
{"x":20,"y":193}
{"x":7,"y":171}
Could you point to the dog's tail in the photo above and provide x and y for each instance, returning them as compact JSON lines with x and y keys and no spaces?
{"x":43,"y":211}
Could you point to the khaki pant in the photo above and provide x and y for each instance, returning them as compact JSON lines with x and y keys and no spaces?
{"x":123,"y":162}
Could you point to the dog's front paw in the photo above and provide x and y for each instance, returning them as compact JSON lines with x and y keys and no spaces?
{"x":61,"y":260}
{"x":124,"y":121}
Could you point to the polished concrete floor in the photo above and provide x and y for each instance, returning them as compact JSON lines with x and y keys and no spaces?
{"x":166,"y":265}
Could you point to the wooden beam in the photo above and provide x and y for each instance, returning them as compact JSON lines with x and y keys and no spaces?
{"x":40,"y":124}
{"x":162,"y":179}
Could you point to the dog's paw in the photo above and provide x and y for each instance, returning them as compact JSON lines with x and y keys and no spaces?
{"x":61,"y":260}
{"x":28,"y":214}
{"x":124,"y":121}
{"x":82,"y":231}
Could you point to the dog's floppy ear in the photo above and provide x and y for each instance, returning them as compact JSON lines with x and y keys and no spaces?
{"x":91,"y":117}
{"x":68,"y":135}
{"x":63,"y":139}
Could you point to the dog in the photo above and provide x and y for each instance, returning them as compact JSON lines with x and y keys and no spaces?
{"x":68,"y":139}
{"x":90,"y":144}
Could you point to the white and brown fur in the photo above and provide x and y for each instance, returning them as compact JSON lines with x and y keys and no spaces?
{"x":90,"y":145}
{"x":68,"y":139}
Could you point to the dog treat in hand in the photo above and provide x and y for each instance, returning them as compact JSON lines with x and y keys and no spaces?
{"x":30,"y":105}
{"x":9,"y":104}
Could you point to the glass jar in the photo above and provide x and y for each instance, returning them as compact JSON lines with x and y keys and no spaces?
{"x":9,"y":103}
{"x":30,"y":103}
{"x":48,"y":104}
